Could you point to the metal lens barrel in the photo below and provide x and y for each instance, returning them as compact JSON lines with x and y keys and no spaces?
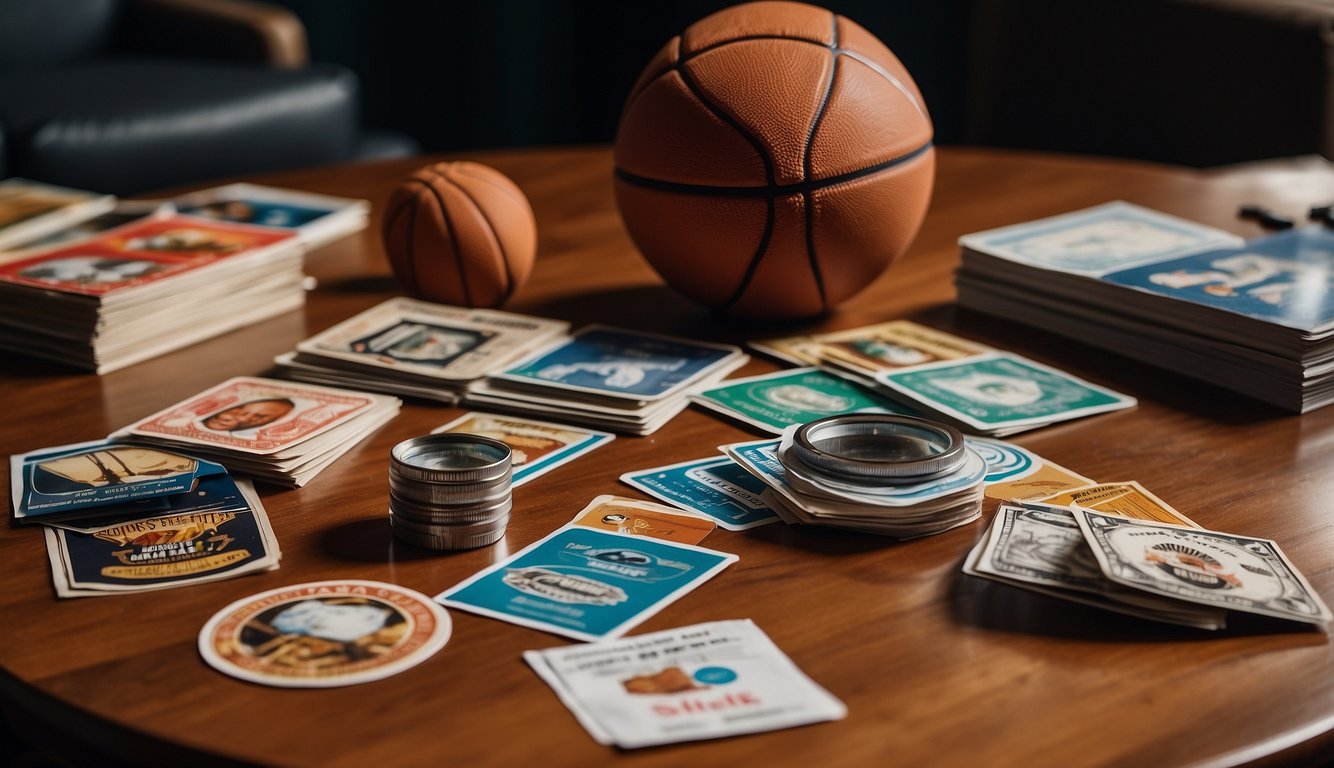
{"x":450,"y":491}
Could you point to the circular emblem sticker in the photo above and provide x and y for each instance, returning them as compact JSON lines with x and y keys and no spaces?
{"x":324,"y":634}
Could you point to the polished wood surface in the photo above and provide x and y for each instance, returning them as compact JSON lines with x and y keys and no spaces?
{"x":936,"y":668}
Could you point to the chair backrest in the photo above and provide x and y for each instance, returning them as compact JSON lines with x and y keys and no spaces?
{"x":42,"y":33}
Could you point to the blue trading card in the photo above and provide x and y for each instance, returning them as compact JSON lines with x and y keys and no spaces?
{"x":1005,"y":461}
{"x":88,"y":478}
{"x":715,"y":487}
{"x":212,"y":531}
{"x":1284,"y":278}
{"x":585,"y":583}
{"x":266,"y":213}
{"x":627,"y":364}
{"x":1098,"y":240}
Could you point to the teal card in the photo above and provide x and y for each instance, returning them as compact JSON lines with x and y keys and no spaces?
{"x":714,"y":487}
{"x":1002,"y":390}
{"x":775,"y":401}
{"x":586,"y":584}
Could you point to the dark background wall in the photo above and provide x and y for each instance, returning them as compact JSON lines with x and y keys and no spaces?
{"x":459,"y":75}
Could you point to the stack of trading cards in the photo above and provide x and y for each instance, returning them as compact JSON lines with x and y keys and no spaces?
{"x":30,"y":210}
{"x":1144,"y":568}
{"x":124,"y":212}
{"x":278,"y":431}
{"x":801,"y":495}
{"x":317,"y":219}
{"x":610,"y":378}
{"x":1256,"y":317}
{"x":129,"y":518}
{"x":706,"y":681}
{"x":418,"y":349}
{"x":145,"y":288}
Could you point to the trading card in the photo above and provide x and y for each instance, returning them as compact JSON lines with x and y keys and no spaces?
{"x":1006,"y":462}
{"x":586,"y":584}
{"x":642,"y":518}
{"x":264,"y":206}
{"x":774,"y":401}
{"x":83,"y":479}
{"x":435,"y":340}
{"x":1098,"y":240}
{"x":260,"y":416}
{"x":892,"y":346}
{"x":125,"y":212}
{"x":1001,"y":390}
{"x":624,"y":364}
{"x":324,"y":634}
{"x":705,"y":681}
{"x":1210,"y":568}
{"x":1286,"y":278}
{"x":1045,"y":480}
{"x":537,"y":447}
{"x":715,"y":487}
{"x":30,"y":210}
{"x":1127,"y":499}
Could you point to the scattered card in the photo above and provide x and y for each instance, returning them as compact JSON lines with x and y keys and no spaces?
{"x":1127,"y":499}
{"x":537,"y":446}
{"x":642,"y":518}
{"x":775,"y":401}
{"x":716,"y":487}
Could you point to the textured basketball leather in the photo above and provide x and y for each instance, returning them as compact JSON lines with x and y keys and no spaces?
{"x":773,"y":160}
{"x":460,"y":233}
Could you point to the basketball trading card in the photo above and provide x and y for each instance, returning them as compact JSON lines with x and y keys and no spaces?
{"x":30,"y":210}
{"x":1094,"y":241}
{"x":891,"y":346}
{"x":537,"y":447}
{"x":705,"y":681}
{"x":259,"y":416}
{"x":643,"y":518}
{"x":219,"y":531}
{"x":1001,"y":391}
{"x":617,"y":363}
{"x":125,"y":212}
{"x":586,"y":584}
{"x":1286,"y":278}
{"x":1045,"y":479}
{"x":1209,"y":568}
{"x":1127,"y":499}
{"x":774,"y":401}
{"x":263,"y":206}
{"x":324,"y":634}
{"x":434,"y":340}
{"x":138,"y":253}
{"x":715,"y":487}
{"x":86,"y":478}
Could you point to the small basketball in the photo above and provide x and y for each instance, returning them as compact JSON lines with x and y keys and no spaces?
{"x":460,"y":233}
{"x":773,"y":159}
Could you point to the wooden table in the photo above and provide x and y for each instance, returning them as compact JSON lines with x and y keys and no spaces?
{"x":935,"y":667}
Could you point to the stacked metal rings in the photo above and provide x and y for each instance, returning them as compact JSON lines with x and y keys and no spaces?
{"x":879,"y":449}
{"x":450,"y":491}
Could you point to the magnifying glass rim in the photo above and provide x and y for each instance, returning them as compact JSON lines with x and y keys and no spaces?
{"x":950,"y":458}
{"x":403,"y":453}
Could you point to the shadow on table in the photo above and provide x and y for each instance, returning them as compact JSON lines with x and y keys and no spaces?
{"x":371,"y":541}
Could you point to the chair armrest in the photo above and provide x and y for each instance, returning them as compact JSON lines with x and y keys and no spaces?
{"x":229,"y":29}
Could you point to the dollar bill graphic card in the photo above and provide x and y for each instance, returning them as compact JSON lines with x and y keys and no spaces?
{"x":537,"y":446}
{"x":774,"y":401}
{"x":643,"y":518}
{"x":86,"y":478}
{"x":623,"y":364}
{"x":716,"y":487}
{"x":1211,"y":568}
{"x":1001,"y":391}
{"x":704,"y":681}
{"x":1098,"y":240}
{"x":586,"y":584}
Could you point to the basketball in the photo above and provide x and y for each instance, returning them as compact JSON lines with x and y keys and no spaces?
{"x":460,"y":233}
{"x":773,"y":160}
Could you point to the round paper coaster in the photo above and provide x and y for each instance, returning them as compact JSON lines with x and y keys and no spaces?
{"x":324,"y":634}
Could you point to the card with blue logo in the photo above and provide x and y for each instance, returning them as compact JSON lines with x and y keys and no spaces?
{"x":1098,"y":240}
{"x":630,"y":365}
{"x":586,"y":584}
{"x":715,"y":487}
{"x":99,"y":478}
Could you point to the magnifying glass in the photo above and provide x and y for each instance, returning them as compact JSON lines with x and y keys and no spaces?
{"x":880,"y":447}
{"x":452,"y":458}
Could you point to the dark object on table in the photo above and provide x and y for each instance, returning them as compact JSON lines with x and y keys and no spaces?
{"x":1264,"y":217}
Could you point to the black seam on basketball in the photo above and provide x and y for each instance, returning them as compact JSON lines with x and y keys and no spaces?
{"x":453,"y":234}
{"x":775,"y":190}
{"x":807,"y":198}
{"x":500,"y":246}
{"x":749,"y":38}
{"x":768,"y":177}
{"x":492,"y":183}
{"x":411,"y":267}
{"x":667,"y":69}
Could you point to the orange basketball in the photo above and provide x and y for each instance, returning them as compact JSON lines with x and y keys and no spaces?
{"x":460,"y":233}
{"x":773,"y":160}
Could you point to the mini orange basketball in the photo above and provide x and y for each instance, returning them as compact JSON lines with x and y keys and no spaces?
{"x":460,"y":233}
{"x":773,"y":159}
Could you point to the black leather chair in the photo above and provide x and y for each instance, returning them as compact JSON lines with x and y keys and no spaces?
{"x":126,"y":96}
